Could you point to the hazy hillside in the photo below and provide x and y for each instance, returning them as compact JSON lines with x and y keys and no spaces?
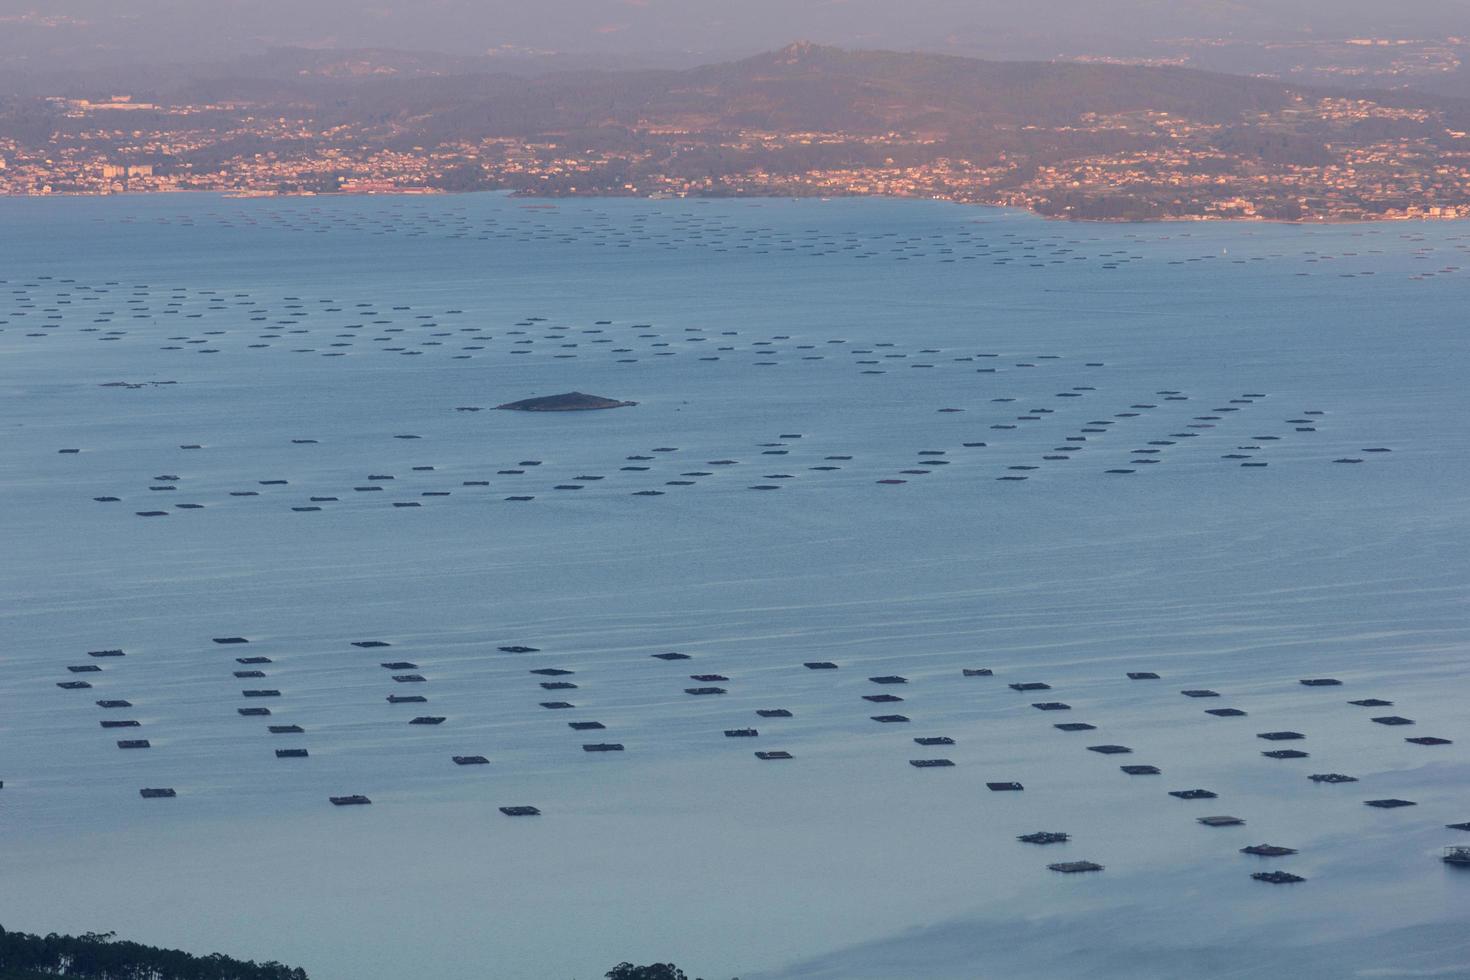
{"x":799,"y":88}
{"x":1081,"y":139}
{"x":802,"y":87}
{"x":75,"y":34}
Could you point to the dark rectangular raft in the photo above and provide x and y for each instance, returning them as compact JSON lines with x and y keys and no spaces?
{"x":520,"y":811}
{"x":1277,"y":877}
{"x":291,"y":753}
{"x":1268,"y":850}
{"x":1141,"y":770}
{"x":1320,"y":682}
{"x":1045,"y":837}
{"x":1074,"y":867}
{"x":134,"y":743}
{"x":470,"y":760}
{"x":978,"y":672}
{"x":778,"y":754}
{"x":930,"y":763}
{"x":354,"y":800}
{"x":1221,"y":821}
{"x":603,"y":747}
{"x":1004,"y":787}
{"x":406,"y":699}
{"x":157,"y":793}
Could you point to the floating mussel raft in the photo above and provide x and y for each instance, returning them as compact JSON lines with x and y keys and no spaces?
{"x":1277,"y":877}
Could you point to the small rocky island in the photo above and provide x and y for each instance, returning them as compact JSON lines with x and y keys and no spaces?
{"x":572,"y":401}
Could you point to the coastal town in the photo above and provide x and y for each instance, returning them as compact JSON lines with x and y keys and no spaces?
{"x":1313,"y":159}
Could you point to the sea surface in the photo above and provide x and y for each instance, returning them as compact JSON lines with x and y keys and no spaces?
{"x":907,"y":439}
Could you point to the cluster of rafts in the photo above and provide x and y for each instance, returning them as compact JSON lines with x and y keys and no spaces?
{"x":556,"y":684}
{"x":1090,"y":439}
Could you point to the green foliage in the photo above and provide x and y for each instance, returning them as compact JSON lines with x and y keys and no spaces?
{"x":654,"y":971}
{"x":97,"y":956}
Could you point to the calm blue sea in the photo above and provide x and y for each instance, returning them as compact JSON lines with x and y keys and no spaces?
{"x":907,"y":439}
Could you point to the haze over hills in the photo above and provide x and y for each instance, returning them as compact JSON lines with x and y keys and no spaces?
{"x":802,"y":87}
{"x":1094,"y":140}
{"x":72,"y":34}
{"x":1140,"y":26}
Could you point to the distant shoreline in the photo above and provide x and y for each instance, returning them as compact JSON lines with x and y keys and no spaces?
{"x":554,"y":199}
